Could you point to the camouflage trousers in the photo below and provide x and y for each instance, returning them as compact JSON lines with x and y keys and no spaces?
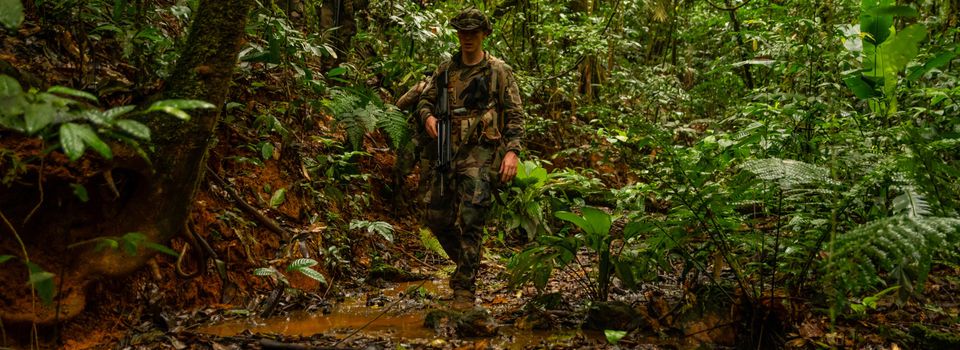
{"x":458,"y":206}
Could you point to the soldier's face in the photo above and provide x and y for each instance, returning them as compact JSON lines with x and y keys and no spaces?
{"x":471,"y":40}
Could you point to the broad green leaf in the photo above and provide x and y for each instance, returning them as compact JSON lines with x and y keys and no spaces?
{"x":112,"y":113}
{"x":902,"y":47}
{"x":37,"y":116}
{"x":877,"y":27}
{"x":182,"y":104}
{"x":572,"y":218}
{"x":134,"y":128}
{"x":614,"y":336}
{"x":598,"y":220}
{"x":859,"y":87}
{"x":80,"y":192}
{"x":72,"y":92}
{"x":4,"y":258}
{"x":90,"y":138}
{"x":266,"y":151}
{"x":11,"y":13}
{"x":895,"y":10}
{"x":42,"y":281}
{"x":265,"y":271}
{"x":71,"y":141}
{"x":624,"y":270}
{"x":301,"y":263}
{"x":279,"y":196}
{"x":9,"y":86}
{"x":306,"y":271}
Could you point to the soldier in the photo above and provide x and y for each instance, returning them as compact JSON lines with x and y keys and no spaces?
{"x":486,"y":119}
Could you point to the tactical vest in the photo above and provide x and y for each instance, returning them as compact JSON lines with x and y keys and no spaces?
{"x":475,"y":121}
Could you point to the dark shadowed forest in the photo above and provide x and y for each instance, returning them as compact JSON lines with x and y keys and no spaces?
{"x":732,"y":174}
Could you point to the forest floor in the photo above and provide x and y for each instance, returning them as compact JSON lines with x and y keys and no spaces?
{"x":155,"y":308}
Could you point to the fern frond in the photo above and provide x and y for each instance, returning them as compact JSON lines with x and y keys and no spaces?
{"x":787,"y":173}
{"x":395,"y":125}
{"x":431,"y":243}
{"x":911,"y":203}
{"x":904,"y":242}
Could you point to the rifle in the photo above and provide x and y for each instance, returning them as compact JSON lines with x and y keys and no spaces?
{"x":444,"y":148}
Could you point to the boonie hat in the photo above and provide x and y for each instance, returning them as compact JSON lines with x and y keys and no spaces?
{"x":471,"y":19}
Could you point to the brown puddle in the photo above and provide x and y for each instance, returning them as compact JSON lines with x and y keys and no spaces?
{"x":353,"y":313}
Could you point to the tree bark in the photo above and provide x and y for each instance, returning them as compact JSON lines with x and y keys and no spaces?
{"x":153,"y":200}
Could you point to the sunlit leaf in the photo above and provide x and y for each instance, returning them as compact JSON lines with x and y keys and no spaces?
{"x":112,"y":113}
{"x":279,"y":196}
{"x":614,"y":336}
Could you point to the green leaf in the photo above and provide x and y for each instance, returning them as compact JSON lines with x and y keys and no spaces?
{"x":42,"y":281}
{"x":180,"y":114}
{"x":9,"y":86}
{"x":71,"y":141}
{"x":859,"y":87}
{"x":4,"y":258}
{"x":901,"y":48}
{"x":182,"y":104}
{"x":111,"y":114}
{"x":134,"y":128}
{"x":336,"y":72}
{"x":80,"y":192}
{"x":161,"y":248}
{"x":11,"y":13}
{"x":614,"y":336}
{"x":878,"y":27}
{"x":934,"y":63}
{"x":90,"y":138}
{"x":306,"y":271}
{"x":895,"y":10}
{"x":72,"y":92}
{"x":37,"y":116}
{"x":265,"y":271}
{"x":106,"y":243}
{"x":266,"y":151}
{"x":279,"y":196}
{"x":301,"y":263}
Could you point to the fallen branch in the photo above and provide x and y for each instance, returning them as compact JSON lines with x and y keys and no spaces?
{"x":269,"y":223}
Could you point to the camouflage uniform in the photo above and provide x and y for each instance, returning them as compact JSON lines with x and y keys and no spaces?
{"x":487,"y":121}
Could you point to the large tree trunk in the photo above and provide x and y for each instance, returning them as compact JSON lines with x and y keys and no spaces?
{"x":153,"y":200}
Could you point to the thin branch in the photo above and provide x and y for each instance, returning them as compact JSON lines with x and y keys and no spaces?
{"x":722,"y":8}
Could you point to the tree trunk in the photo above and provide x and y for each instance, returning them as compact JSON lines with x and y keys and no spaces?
{"x":152,"y":200}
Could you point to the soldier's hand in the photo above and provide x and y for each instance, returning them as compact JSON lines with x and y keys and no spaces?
{"x":431,"y":126}
{"x":508,"y":168}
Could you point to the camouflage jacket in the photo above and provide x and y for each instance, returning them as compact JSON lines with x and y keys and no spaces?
{"x":499,"y":94}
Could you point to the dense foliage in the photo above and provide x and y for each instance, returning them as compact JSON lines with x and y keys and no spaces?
{"x":765,"y":148}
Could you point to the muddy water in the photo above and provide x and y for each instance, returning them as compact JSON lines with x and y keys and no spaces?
{"x":351,"y":314}
{"x":399,"y":323}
